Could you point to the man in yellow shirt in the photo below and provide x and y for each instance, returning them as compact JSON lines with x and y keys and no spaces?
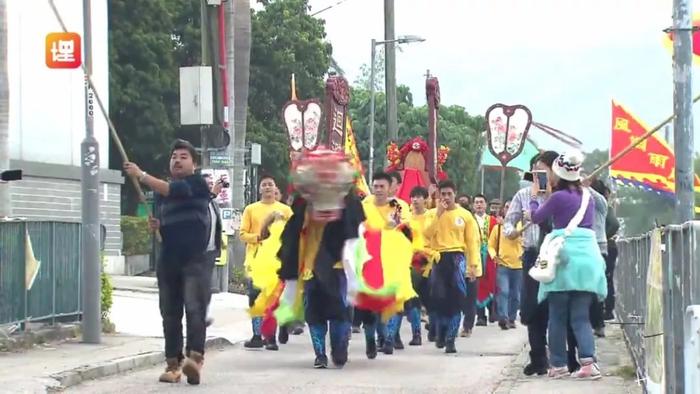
{"x":255,"y":219}
{"x":455,"y":234}
{"x":507,"y":253}
{"x":421,"y":266}
{"x":381,"y":211}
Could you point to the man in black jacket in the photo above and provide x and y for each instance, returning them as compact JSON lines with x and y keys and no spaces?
{"x":189,"y":233}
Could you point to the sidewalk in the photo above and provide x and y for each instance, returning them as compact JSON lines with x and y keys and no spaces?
{"x":614,"y":361}
{"x":137,"y":344}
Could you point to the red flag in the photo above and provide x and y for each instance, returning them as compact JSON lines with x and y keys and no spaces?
{"x":652,"y":164}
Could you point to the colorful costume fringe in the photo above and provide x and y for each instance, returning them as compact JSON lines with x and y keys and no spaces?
{"x":487,"y":283}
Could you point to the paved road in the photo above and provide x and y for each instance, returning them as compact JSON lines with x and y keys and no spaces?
{"x":478,"y":367}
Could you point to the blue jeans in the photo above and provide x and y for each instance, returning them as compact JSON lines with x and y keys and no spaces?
{"x":508,"y":281}
{"x":570,"y":308}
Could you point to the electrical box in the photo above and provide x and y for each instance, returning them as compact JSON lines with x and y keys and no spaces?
{"x":255,"y":154}
{"x":196,"y":98}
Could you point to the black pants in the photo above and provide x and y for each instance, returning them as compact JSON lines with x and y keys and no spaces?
{"x":469,"y":309}
{"x":534,"y":315}
{"x":184,"y":284}
{"x":610,"y":262}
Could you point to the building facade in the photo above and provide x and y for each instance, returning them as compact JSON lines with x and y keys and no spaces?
{"x":47,"y":118}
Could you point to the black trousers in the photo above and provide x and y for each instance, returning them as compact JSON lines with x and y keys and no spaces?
{"x":184,"y":286}
{"x":469,"y":309}
{"x":610,"y":262}
{"x":534,"y":315}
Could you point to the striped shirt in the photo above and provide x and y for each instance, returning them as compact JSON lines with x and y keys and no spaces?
{"x":520,"y":204}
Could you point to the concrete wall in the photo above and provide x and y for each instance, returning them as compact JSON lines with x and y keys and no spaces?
{"x":52,"y":192}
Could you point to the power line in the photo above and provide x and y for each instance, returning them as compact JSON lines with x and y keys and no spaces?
{"x":329,"y":7}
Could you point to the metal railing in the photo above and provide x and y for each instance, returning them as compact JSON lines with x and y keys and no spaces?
{"x":55,"y":292}
{"x":657,"y":278}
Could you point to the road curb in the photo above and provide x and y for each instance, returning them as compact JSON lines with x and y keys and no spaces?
{"x":119,"y":365}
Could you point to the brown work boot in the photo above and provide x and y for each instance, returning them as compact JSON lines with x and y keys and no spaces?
{"x":192,"y":367}
{"x":172,"y":372}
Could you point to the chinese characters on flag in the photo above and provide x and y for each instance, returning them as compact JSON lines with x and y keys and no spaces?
{"x":651,"y":164}
{"x":63,"y":50}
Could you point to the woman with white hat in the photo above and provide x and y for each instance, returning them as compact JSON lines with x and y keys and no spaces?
{"x":579,"y":269}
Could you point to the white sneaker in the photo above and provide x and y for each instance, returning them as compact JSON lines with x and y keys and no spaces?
{"x":587,"y":372}
{"x":558,"y":373}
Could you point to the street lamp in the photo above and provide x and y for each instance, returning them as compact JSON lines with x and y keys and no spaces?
{"x":400,"y":40}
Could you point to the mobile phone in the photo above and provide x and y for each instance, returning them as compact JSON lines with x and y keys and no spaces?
{"x":542,"y":179}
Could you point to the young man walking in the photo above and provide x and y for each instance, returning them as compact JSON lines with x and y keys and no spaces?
{"x":506,"y":252}
{"x":185,"y":269}
{"x":455,"y":234}
{"x":255,"y":218}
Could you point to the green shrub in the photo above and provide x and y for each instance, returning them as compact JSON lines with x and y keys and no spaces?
{"x":106,"y":299}
{"x":136,"y":236}
{"x":238,"y":282}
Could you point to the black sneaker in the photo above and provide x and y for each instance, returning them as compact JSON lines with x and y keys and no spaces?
{"x":398,"y":343}
{"x":440,"y":342}
{"x":416,"y":341}
{"x":271,"y":345}
{"x":208,"y":321}
{"x":532,"y":369}
{"x":356,"y":329}
{"x":481,"y":322}
{"x":431,"y":335}
{"x":608,"y":315}
{"x":339,"y":357}
{"x":283,"y":336}
{"x":387,"y":348}
{"x":371,"y":350}
{"x":255,"y":342}
{"x":450,"y":347}
{"x":380,"y":341}
{"x":321,"y":362}
{"x":503,"y":324}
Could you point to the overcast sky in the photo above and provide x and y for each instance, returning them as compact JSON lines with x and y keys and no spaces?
{"x":564,"y":59}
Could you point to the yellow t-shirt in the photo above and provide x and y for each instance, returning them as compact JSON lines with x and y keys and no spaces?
{"x":380,"y":216}
{"x":310,"y":241}
{"x":456,"y":230}
{"x":254,"y":216}
{"x":509,"y":251}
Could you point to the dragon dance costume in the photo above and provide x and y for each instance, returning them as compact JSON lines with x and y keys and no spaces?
{"x":329,"y":261}
{"x":389,"y":221}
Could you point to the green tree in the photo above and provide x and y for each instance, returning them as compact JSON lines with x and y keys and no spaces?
{"x":286,"y":40}
{"x":148,"y":42}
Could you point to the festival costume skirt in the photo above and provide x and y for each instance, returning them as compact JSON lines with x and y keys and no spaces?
{"x":448,"y":285}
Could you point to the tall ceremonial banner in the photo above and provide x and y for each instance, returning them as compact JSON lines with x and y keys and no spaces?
{"x":355,"y":160}
{"x":651,"y":165}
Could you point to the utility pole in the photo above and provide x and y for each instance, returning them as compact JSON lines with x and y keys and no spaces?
{"x":204,"y":33}
{"x":683,"y":109}
{"x":90,"y":196}
{"x":371,"y":107}
{"x":392,"y":122}
{"x":5,"y":204}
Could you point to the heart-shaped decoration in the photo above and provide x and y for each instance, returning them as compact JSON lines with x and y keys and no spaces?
{"x":302,"y":120}
{"x":507,"y":128}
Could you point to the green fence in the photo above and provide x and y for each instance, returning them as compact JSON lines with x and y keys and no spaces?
{"x":55,"y":293}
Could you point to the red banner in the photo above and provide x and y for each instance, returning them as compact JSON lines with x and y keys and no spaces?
{"x":651,"y":164}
